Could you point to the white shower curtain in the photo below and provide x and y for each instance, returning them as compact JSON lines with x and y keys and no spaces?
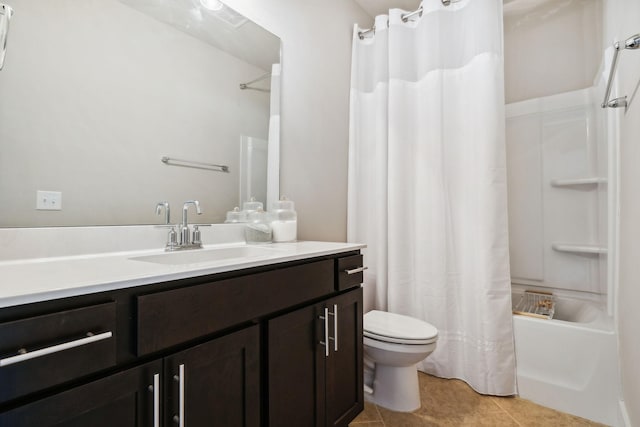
{"x":427,"y":183}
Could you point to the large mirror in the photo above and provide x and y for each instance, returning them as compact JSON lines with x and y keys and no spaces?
{"x":95,"y":94}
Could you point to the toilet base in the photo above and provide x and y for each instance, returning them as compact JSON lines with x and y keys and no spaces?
{"x":396,"y":388}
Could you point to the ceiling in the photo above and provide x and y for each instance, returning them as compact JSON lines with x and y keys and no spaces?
{"x":381,"y":7}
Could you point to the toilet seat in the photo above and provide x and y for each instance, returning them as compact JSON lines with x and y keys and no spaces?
{"x":396,"y":328}
{"x":394,"y":340}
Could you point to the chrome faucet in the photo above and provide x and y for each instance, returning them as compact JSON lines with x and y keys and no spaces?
{"x":187,"y":239}
{"x":172,"y":237}
{"x":185,"y":231}
{"x":167,"y":211}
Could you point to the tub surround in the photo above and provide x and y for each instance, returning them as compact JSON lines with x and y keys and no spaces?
{"x":558,"y":192}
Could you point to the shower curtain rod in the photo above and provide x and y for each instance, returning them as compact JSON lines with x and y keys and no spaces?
{"x":363,"y":33}
{"x":244,"y":86}
{"x":405,"y":18}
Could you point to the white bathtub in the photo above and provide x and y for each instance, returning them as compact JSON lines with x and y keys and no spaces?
{"x":569,"y":363}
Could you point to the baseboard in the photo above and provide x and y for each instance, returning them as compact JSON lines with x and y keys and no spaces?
{"x":623,"y":415}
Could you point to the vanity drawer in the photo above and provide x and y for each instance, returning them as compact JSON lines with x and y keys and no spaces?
{"x":172,"y":317}
{"x":347,"y":274}
{"x":43,"y":351}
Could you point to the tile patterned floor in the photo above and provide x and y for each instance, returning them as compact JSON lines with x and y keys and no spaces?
{"x":453,"y":403}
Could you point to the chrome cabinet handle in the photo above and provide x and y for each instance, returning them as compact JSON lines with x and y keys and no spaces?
{"x":335,"y":327}
{"x":325,"y":343}
{"x":356,"y":270}
{"x":27,"y":355}
{"x":327,"y":338}
{"x":155,"y":388}
{"x":180,"y":379}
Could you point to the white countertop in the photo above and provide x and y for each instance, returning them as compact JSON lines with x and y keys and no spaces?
{"x":41,"y":279}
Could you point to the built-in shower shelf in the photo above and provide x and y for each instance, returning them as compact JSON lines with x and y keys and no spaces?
{"x":592,"y":180}
{"x":581,"y":249}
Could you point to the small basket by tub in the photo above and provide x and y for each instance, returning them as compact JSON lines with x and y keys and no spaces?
{"x":536,"y":304}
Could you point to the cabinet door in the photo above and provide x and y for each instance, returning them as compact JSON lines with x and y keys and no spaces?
{"x":125,"y":399}
{"x":216,"y":383}
{"x":296,"y":369}
{"x":344,"y":372}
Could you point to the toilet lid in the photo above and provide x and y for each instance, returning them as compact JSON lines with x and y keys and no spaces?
{"x":392,"y":327}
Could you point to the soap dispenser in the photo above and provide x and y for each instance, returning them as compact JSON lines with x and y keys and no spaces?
{"x":284,"y":221}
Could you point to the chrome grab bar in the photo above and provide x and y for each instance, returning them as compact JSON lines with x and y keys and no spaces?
{"x":632,"y":43}
{"x":27,"y":355}
{"x":5,"y":16}
{"x":612,"y":73}
{"x":356,"y":270}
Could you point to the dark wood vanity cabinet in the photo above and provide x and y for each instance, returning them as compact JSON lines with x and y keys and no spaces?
{"x":344,"y":396}
{"x":249,"y":348}
{"x":216,"y":383}
{"x":315,"y":363}
{"x":124,"y":399}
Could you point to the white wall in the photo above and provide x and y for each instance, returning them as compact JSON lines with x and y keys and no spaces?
{"x":316,"y":39}
{"x":622,"y":21}
{"x":551,"y":48}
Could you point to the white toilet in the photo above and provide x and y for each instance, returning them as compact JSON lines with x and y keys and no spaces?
{"x":395,"y":344}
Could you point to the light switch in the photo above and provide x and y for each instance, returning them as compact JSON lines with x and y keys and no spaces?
{"x":48,"y":200}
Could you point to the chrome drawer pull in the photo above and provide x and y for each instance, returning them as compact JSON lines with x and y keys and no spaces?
{"x":27,"y":355}
{"x":356,"y":270}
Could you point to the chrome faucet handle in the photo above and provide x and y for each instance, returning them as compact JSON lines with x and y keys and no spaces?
{"x":167,"y":211}
{"x":172,"y":239}
{"x":197,"y":237}
{"x":172,"y":236}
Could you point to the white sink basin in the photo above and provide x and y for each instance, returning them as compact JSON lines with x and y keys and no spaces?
{"x":199,"y":256}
